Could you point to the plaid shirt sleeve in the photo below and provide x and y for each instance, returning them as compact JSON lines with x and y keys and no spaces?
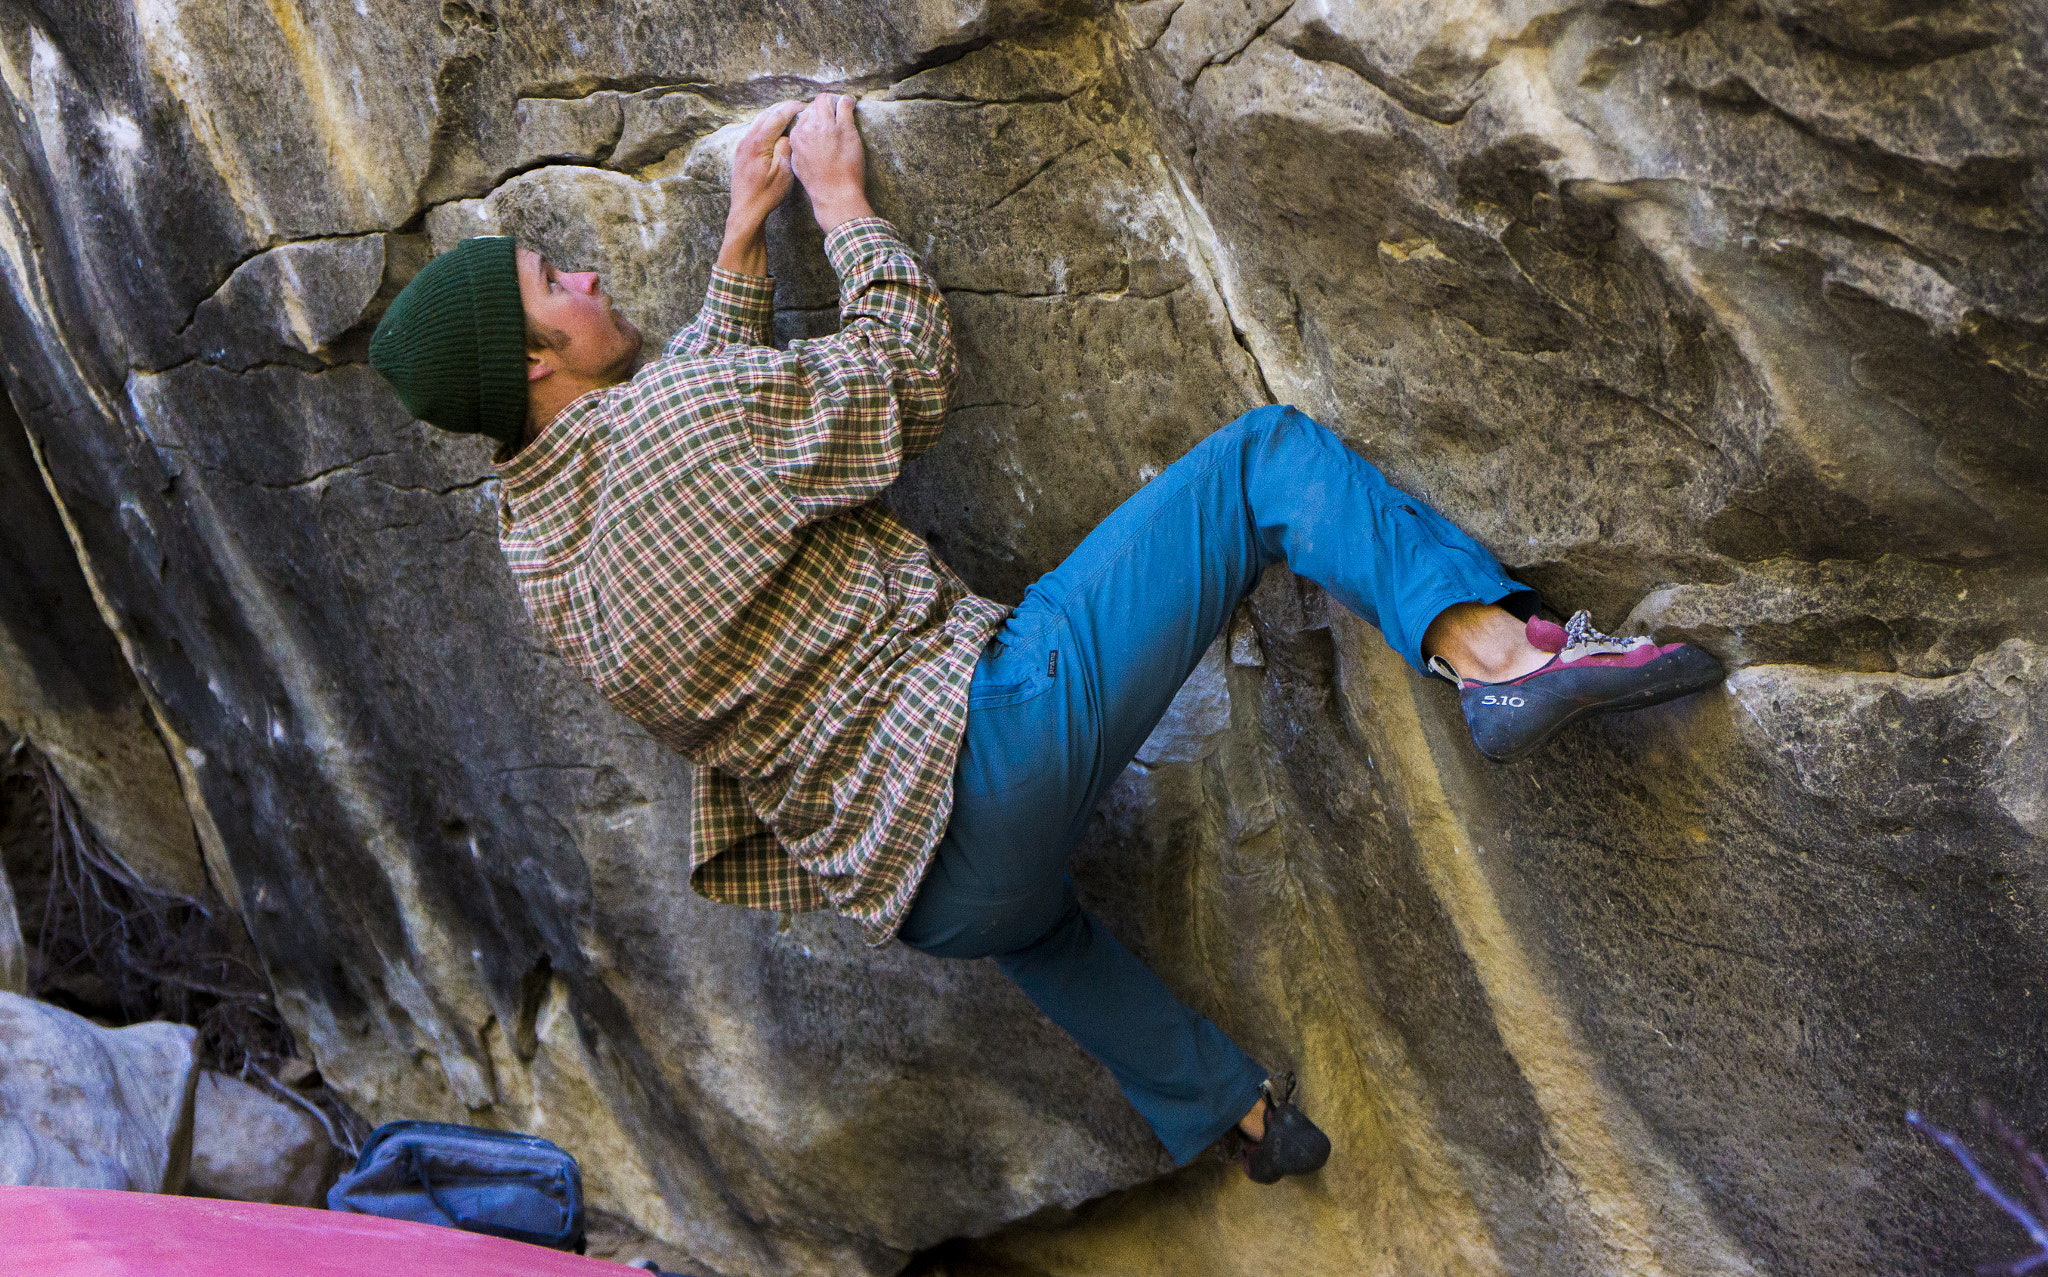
{"x":840,"y":415}
{"x":737,"y":311}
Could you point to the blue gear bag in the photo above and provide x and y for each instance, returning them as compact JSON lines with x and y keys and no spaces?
{"x":481,"y":1181}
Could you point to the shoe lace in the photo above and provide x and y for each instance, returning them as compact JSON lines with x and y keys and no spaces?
{"x":1579,"y":631}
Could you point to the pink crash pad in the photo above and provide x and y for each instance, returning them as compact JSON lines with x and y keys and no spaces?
{"x":98,"y":1232}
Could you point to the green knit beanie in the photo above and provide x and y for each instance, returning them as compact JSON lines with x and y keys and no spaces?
{"x":453,"y":345}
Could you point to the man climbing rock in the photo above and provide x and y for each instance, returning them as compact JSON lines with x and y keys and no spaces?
{"x":699,"y":535}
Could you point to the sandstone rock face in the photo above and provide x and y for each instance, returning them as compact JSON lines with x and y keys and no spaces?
{"x":65,"y":685}
{"x":250,"y":1146}
{"x":1723,"y":316}
{"x":87,"y":1107}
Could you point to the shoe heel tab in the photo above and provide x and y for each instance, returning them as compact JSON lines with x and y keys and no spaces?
{"x":1443,"y":669}
{"x":1278,"y":1088}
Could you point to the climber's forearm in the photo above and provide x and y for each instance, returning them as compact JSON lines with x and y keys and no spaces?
{"x":745,"y":250}
{"x":761,"y":178}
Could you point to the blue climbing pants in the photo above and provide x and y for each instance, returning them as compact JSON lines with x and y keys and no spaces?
{"x":1075,"y":681}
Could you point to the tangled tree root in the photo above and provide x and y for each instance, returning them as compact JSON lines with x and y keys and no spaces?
{"x":119,"y":951}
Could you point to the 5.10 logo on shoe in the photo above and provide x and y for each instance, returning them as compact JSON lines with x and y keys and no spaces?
{"x":1512,"y":702}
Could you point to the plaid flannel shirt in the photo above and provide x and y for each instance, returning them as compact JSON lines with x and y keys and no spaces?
{"x":704,"y":545}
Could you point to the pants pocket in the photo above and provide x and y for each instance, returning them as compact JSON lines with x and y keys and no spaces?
{"x":1007,"y":676}
{"x":1011,"y":744}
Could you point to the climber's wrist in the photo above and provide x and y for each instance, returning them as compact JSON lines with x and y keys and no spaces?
{"x":840,"y":206}
{"x":745,"y":250}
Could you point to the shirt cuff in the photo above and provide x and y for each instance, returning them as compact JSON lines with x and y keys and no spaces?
{"x":858,"y":239}
{"x":745,"y":303}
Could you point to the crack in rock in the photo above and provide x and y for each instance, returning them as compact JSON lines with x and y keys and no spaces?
{"x":1234,"y":54}
{"x":1039,"y":172}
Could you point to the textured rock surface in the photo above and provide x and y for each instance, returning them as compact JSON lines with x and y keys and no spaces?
{"x":1729,"y":313}
{"x":87,"y":1107}
{"x":250,"y":1146}
{"x":65,"y":685}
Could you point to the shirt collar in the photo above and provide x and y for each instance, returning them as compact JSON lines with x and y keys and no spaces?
{"x":527,"y":469}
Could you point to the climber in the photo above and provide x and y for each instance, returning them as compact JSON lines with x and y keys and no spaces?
{"x":698,"y":534}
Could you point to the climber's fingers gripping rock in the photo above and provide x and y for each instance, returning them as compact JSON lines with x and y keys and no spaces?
{"x":761,"y":173}
{"x":826,"y":153}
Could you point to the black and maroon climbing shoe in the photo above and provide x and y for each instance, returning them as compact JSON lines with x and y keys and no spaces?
{"x":1292,"y":1145}
{"x":1591,"y":673}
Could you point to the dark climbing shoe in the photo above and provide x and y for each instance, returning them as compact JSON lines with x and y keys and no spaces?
{"x":1592,"y":673}
{"x":1293,"y":1145}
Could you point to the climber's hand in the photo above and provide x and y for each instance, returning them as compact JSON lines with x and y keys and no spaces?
{"x":761,"y":174}
{"x":761,"y":178}
{"x":825,"y":150}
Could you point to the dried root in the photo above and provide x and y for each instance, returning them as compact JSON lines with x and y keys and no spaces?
{"x":111,"y":947}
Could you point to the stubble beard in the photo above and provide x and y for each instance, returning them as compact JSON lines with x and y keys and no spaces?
{"x":629,"y":361}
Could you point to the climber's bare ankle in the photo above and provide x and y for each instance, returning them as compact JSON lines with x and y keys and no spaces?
{"x":1253,"y":1124}
{"x":1482,"y":641}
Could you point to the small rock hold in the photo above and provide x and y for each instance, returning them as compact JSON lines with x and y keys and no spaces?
{"x":655,"y":126}
{"x":567,"y":128}
{"x":1244,"y":643}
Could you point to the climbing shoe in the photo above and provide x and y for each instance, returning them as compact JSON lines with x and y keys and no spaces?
{"x":1591,"y":673}
{"x":1292,"y":1144}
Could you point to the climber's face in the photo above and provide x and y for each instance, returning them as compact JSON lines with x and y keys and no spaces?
{"x":571,"y":325}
